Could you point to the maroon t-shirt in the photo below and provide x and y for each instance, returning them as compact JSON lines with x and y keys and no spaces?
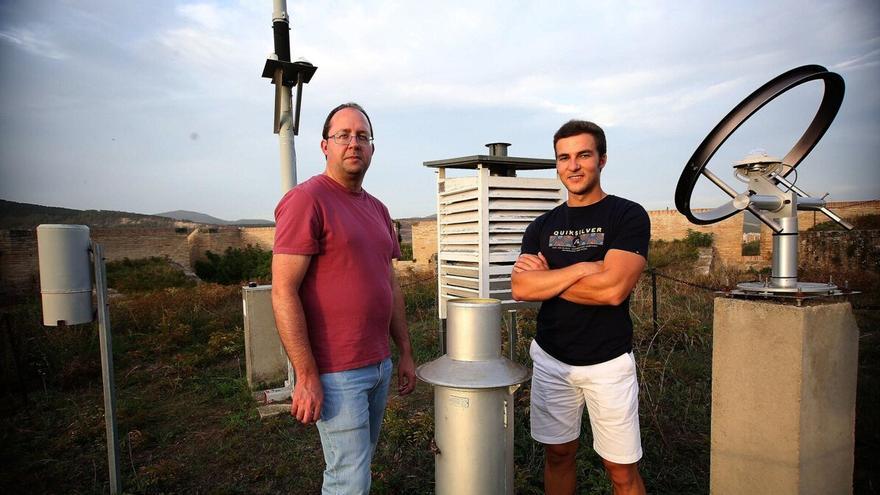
{"x":346,"y":293}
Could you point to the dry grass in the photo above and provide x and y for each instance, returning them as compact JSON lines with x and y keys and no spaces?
{"x":188,"y":424}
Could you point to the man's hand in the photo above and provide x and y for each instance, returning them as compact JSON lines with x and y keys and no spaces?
{"x":307,"y":399}
{"x":406,"y":374}
{"x":530,"y":262}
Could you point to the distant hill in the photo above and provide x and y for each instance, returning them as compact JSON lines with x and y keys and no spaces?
{"x":27,"y":216}
{"x":196,"y":217}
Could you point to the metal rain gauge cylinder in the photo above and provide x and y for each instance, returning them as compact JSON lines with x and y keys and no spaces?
{"x":473,"y":402}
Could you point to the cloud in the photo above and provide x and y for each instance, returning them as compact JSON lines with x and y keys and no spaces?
{"x":866,"y":61}
{"x":34,"y":41}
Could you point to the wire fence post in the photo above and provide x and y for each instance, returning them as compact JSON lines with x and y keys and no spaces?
{"x":654,"y":299}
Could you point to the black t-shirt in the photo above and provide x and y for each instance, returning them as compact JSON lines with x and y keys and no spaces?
{"x":580,"y":334}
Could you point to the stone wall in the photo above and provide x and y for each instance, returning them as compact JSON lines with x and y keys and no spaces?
{"x":670,"y":225}
{"x":263,"y":237}
{"x":424,"y":242}
{"x":19,"y":269}
{"x":134,"y":243}
{"x":834,"y":250}
{"x":19,"y":266}
{"x":19,"y":272}
{"x":807,"y":219}
{"x":215,"y":240}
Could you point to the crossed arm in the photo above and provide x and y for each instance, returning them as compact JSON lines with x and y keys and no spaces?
{"x":288,"y":271}
{"x":599,"y":283}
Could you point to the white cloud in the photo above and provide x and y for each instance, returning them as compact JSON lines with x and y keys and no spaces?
{"x":34,"y":41}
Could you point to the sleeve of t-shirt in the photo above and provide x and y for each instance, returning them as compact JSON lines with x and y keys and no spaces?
{"x":531,"y":241}
{"x":298,"y":224}
{"x":634,"y":231}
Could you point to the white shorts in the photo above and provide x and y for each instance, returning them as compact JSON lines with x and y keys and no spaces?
{"x":611,"y":393}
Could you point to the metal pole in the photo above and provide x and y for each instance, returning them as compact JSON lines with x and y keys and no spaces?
{"x":286,"y":132}
{"x":105,"y":339}
{"x":654,"y":299}
{"x":511,"y":334}
{"x":281,"y":29}
{"x":441,"y":330}
{"x":785,"y":253}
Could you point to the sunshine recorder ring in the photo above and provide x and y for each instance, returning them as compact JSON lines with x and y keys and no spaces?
{"x":696,"y":166}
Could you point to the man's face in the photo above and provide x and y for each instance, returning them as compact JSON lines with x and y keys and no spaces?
{"x":352,"y":159}
{"x":578,"y":163}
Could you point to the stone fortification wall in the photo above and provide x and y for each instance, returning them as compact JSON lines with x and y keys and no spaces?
{"x":19,"y":266}
{"x":424,"y":242}
{"x":19,"y":272}
{"x":263,"y":237}
{"x":215,"y":240}
{"x":134,"y":243}
{"x":833,"y":250}
{"x":669,"y":225}
{"x":847,"y":210}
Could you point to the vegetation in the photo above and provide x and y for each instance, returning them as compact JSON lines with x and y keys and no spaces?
{"x":145,"y":274}
{"x":406,"y":252}
{"x":751,"y":248}
{"x":236,"y":266}
{"x":864,"y":222}
{"x":698,"y":239}
{"x":24,"y":216}
{"x":188,"y":424}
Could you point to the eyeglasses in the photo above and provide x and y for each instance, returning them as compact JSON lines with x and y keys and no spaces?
{"x":342,"y":138}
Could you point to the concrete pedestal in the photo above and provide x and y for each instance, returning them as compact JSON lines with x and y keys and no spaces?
{"x":783,"y":398}
{"x":265,"y":359}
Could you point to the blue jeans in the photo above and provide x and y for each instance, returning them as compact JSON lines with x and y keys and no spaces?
{"x":351,"y":416}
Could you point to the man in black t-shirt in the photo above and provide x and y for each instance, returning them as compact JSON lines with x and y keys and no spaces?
{"x":582,"y":260}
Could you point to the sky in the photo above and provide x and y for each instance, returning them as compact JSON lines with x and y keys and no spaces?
{"x":155,"y":106}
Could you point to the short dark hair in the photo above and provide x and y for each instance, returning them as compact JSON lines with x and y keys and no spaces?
{"x":325,"y":134}
{"x":576,"y":127}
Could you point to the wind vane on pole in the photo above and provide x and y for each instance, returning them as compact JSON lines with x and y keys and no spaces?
{"x":284,"y":74}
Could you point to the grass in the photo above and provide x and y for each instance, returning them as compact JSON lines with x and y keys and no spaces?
{"x":188,"y":424}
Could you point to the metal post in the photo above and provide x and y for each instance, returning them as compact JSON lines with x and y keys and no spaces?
{"x":281,"y":29}
{"x":654,"y":299}
{"x":511,"y":333}
{"x":785,"y":253}
{"x":442,"y":335}
{"x":107,"y":368}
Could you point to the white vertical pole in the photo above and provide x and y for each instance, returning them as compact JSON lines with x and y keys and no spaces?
{"x":285,"y":133}
{"x":106,"y":342}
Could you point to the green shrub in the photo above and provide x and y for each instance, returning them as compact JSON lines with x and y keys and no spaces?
{"x":145,"y":274}
{"x":698,"y":239}
{"x":751,"y":248}
{"x":670,"y":253}
{"x":235,"y":266}
{"x":864,"y":222}
{"x":406,"y":252}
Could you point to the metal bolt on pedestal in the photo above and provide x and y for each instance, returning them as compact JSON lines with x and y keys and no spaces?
{"x":473,"y":402}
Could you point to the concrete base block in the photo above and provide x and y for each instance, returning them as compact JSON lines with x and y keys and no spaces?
{"x":783,"y":398}
{"x":265,"y":359}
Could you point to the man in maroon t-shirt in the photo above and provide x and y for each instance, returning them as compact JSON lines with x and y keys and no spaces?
{"x":336,"y":301}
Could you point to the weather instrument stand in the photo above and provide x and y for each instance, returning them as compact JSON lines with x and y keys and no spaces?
{"x":783,"y":375}
{"x":771,"y":193}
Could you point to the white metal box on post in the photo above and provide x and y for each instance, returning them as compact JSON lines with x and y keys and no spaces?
{"x":65,"y":273}
{"x":265,"y":359}
{"x":481,"y":220}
